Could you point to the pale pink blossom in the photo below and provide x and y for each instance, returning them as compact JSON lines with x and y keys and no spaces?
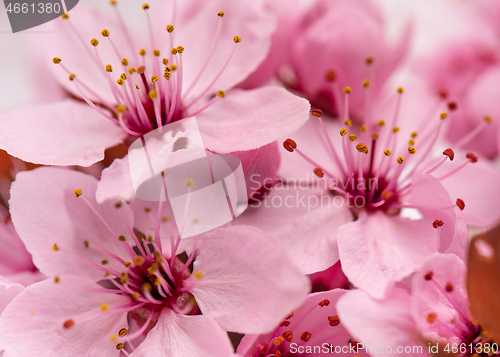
{"x":115,"y":286}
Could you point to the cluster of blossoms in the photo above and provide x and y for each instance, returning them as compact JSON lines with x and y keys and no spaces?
{"x":339,"y":204}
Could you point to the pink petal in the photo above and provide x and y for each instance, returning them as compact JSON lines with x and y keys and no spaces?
{"x":377,"y":323}
{"x":32,"y":325}
{"x":65,"y":133}
{"x":377,"y":249}
{"x":116,"y":182}
{"x":246,"y":120}
{"x":45,"y":211}
{"x":180,"y":335}
{"x":302,"y":223}
{"x":241,"y":18}
{"x":12,"y":285}
{"x":247,"y":275}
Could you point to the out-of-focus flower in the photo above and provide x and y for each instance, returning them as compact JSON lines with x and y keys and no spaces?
{"x":436,"y":311}
{"x":313,"y":329}
{"x":106,"y":270}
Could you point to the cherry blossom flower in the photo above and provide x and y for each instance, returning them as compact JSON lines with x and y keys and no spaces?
{"x":138,"y":78}
{"x":113,"y":288}
{"x":313,"y":329}
{"x":435,"y":311}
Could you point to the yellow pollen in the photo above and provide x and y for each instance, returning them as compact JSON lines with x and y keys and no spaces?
{"x":113,"y":338}
{"x":400,"y":160}
{"x":352,"y":137}
{"x":369,"y":60}
{"x":366,"y":83}
{"x":190,"y":183}
{"x":488,"y":119}
{"x":127,"y":264}
{"x":173,"y":51}
{"x":165,"y":219}
{"x":120,"y":109}
{"x":387,"y":152}
{"x":156,"y":53}
{"x":86,"y":243}
{"x":94,"y":42}
{"x":105,"y":33}
{"x":146,"y":287}
{"x":348,"y":122}
{"x":361,"y":147}
{"x":395,"y":129}
{"x":343,"y":132}
{"x":411,"y":142}
{"x":165,"y":62}
{"x":414,"y":134}
{"x":145,"y":6}
{"x":123,"y":76}
{"x":198,"y":274}
{"x":147,"y":209}
{"x":220,"y":14}
{"x":170,"y":28}
{"x":122,"y":332}
{"x":142,"y":52}
{"x":411,"y":150}
{"x":120,"y":81}
{"x":166,"y":76}
{"x":123,"y":275}
{"x":173,"y":67}
{"x":57,"y":279}
{"x":123,"y":280}
{"x":401,"y":90}
{"x":104,"y":307}
{"x":112,"y":2}
{"x":124,"y":61}
{"x":347,"y":90}
{"x":131,"y":70}
{"x":431,"y":317}
{"x":56,"y":60}
{"x":237,"y":39}
{"x":137,"y":86}
{"x":381,"y":122}
{"x":109,"y":68}
{"x":104,"y":262}
{"x":72,"y":76}
{"x":65,"y":16}
{"x":221,"y":93}
{"x":154,"y":78}
{"x":443,"y":115}
{"x":180,"y":49}
{"x":152,"y":94}
{"x":363,"y":128}
{"x":120,"y":346}
{"x":78,"y":192}
{"x":278,"y":340}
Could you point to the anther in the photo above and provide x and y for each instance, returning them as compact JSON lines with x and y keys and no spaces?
{"x":348,"y":122}
{"x":123,"y":76}
{"x":343,"y":132}
{"x":105,"y":33}
{"x":395,"y":129}
{"x":429,"y":275}
{"x":431,"y":317}
{"x":318,"y":172}
{"x":173,"y":51}
{"x":166,"y":75}
{"x":145,"y":6}
{"x":68,"y":324}
{"x":400,"y":160}
{"x":369,"y":60}
{"x":334,"y":320}
{"x":352,"y":137}
{"x":138,"y":260}
{"x":190,"y":183}
{"x":72,"y":76}
{"x":488,"y":119}
{"x":460,"y":204}
{"x":120,"y":81}
{"x":443,"y":115}
{"x":180,"y":49}
{"x":86,"y":243}
{"x":104,"y":307}
{"x":57,"y":279}
{"x":289,"y":145}
{"x":170,"y":28}
{"x":452,"y":106}
{"x":156,"y":53}
{"x":122,"y":332}
{"x":56,"y":60}
{"x":127,"y":264}
{"x":120,"y":346}
{"x":221,"y":93}
{"x":305,"y":336}
{"x":325,"y":302}
{"x":288,"y":335}
{"x":363,"y":128}
{"x":443,"y":94}
{"x":120,"y":109}
{"x":411,"y":150}
{"x":317,"y":113}
{"x":237,"y":39}
{"x":449,"y":287}
{"x":386,"y":195}
{"x":165,"y":61}
{"x":131,"y":70}
{"x":65,"y":16}
{"x":361,"y":147}
{"x":437,"y":223}
{"x":173,"y":67}
{"x":331,"y":75}
{"x":414,"y":134}
{"x":109,"y":68}
{"x":290,"y":315}
{"x":278,"y":340}
{"x":78,"y":192}
{"x":347,"y":90}
{"x":124,"y":61}
{"x":142,"y":52}
{"x":154,"y":78}
{"x":381,"y":122}
{"x":112,"y":2}
{"x":366,"y":83}
{"x":146,"y":287}
{"x":285,"y":324}
{"x":471,"y":157}
{"x":401,"y":90}
{"x":411,"y":142}
{"x":104,"y":261}
{"x":94,"y":42}
{"x":387,"y":152}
